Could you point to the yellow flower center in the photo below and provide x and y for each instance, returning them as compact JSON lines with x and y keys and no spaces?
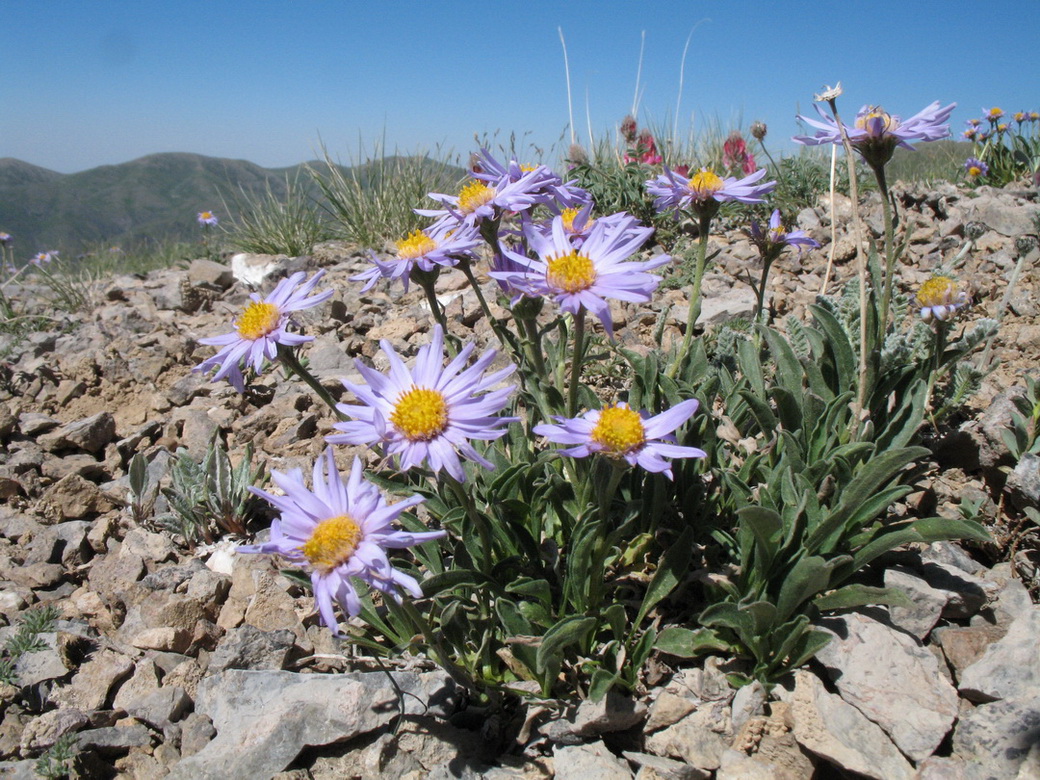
{"x":974,"y":171}
{"x":619,"y":430}
{"x":206,"y":215}
{"x":937,"y":291}
{"x":332,"y":543}
{"x":995,"y":113}
{"x":704,"y":184}
{"x":420,"y":414}
{"x":416,"y":245}
{"x":1002,"y":127}
{"x":473,"y":196}
{"x":528,"y":168}
{"x":569,"y":215}
{"x":887,"y":122}
{"x":571,"y":273}
{"x":258,"y":320}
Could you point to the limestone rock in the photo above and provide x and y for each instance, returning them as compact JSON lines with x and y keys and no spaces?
{"x":1009,"y":666}
{"x":840,"y":733}
{"x":584,"y":762}
{"x":892,"y":679}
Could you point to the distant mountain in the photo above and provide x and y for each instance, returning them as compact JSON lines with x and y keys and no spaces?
{"x":154,"y":198}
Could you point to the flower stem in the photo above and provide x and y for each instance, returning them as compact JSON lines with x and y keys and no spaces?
{"x":467,"y":269}
{"x":695,"y":295}
{"x":478,"y":520}
{"x":890,"y":251}
{"x":290,"y":360}
{"x":441,"y":655}
{"x":579,"y":349}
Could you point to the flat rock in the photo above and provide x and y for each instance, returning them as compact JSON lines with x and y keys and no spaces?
{"x":589,"y":762}
{"x":699,"y":739}
{"x":247,"y":647}
{"x":264,"y":719}
{"x":90,"y":688}
{"x":928,"y":603}
{"x":999,"y":736}
{"x":1008,"y":666}
{"x":826,"y":725}
{"x":892,"y":680}
{"x":964,"y":645}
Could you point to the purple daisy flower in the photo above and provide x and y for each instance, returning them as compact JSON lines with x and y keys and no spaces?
{"x":940,"y":298}
{"x":704,"y":191}
{"x":777,"y":237}
{"x":207,"y":218}
{"x":261,"y":328}
{"x":994,"y":114}
{"x":429,"y":413}
{"x":622,"y":433}
{"x":975,"y":168}
{"x":585,"y":276}
{"x":340,"y":529}
{"x":494,"y":189}
{"x":441,"y":244}
{"x":877,"y":133}
{"x":43,"y":258}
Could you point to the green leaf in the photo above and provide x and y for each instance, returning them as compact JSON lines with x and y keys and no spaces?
{"x":451,"y":579}
{"x":840,"y":347}
{"x":601,"y":683}
{"x":857,"y":595}
{"x":767,"y":527}
{"x":809,"y":576}
{"x":689,"y":643}
{"x":675,"y":563}
{"x":572,"y":630}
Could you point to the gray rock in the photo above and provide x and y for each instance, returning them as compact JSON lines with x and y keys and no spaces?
{"x":928,"y":603}
{"x":19,"y":770}
{"x":699,"y":739}
{"x":247,"y":647}
{"x":263,"y":719}
{"x":254,"y":269}
{"x":115,"y":740}
{"x":964,"y":645}
{"x":162,"y":707}
{"x":1023,"y":483}
{"x":614,"y":712}
{"x":208,"y":272}
{"x":589,"y":762}
{"x":999,"y":736}
{"x":46,"y":664}
{"x":1009,"y":666}
{"x":837,"y":731}
{"x":1003,"y":215}
{"x":651,"y":767}
{"x":91,"y":434}
{"x":748,"y":702}
{"x":42,"y":732}
{"x":90,"y":688}
{"x":892,"y":680}
{"x":196,"y":732}
{"x":965,"y":593}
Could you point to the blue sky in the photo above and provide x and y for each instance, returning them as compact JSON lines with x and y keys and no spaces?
{"x":94,"y":83}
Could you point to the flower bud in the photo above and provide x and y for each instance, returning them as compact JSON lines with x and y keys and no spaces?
{"x":758,"y":130}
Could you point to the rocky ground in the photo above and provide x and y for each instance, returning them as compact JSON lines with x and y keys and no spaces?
{"x":167,"y":662}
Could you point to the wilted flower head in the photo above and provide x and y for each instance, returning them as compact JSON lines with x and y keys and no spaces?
{"x":622,"y":433}
{"x":577,"y":154}
{"x":771,"y":241}
{"x":429,"y":413}
{"x":339,"y":529}
{"x":975,"y":168}
{"x":585,"y":276}
{"x":877,"y":133}
{"x":207,"y":218}
{"x":970,"y":133}
{"x":261,"y":328}
{"x":829,"y":93}
{"x":5,"y":238}
{"x":940,"y":298}
{"x":994,"y":114}
{"x":441,"y":244}
{"x":705,"y":190}
{"x":629,"y":129}
{"x":758,"y":130}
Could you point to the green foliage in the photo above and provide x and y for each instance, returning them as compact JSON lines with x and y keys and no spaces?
{"x":26,"y":640}
{"x":287,"y":222}
{"x":930,"y":162}
{"x":56,"y":762}
{"x":1024,"y":435}
{"x":373,"y":202}
{"x":1010,"y":149}
{"x":210,"y":496}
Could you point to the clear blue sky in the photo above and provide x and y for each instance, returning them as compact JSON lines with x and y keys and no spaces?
{"x":94,"y":82}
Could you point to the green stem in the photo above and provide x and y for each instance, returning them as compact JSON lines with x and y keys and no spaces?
{"x":289,"y":359}
{"x":467,"y":269}
{"x":432,"y":638}
{"x":890,"y":253}
{"x":579,"y":349}
{"x":695,"y":295}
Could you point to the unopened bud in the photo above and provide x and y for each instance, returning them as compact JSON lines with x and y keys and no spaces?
{"x":974,"y":230}
{"x":758,"y":130}
{"x":577,"y":155}
{"x":629,"y":128}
